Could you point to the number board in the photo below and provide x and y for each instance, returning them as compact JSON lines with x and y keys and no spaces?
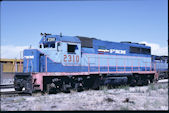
{"x":71,"y":58}
{"x":51,"y":39}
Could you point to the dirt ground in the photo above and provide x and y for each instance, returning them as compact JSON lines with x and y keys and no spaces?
{"x":151,"y":97}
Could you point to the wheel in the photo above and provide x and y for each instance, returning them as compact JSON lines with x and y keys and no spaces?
{"x":132,"y":81}
{"x":18,"y":88}
{"x":51,"y":89}
{"x":66,"y":88}
{"x":146,"y":82}
{"x":96,"y":84}
{"x":28,"y":88}
{"x":79,"y":87}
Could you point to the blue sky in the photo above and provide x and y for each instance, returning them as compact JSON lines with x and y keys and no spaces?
{"x":114,"y":20}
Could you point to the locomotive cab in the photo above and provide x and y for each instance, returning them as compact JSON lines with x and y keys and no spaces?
{"x":60,"y":51}
{"x":54,"y":51}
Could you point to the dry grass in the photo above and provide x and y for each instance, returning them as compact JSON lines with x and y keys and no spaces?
{"x":152,"y":97}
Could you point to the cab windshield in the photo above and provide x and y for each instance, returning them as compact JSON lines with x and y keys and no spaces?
{"x":50,"y":45}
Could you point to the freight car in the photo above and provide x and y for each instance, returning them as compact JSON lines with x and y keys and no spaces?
{"x":73,"y":62}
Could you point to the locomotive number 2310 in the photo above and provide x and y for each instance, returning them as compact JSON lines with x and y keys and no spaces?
{"x":71,"y":58}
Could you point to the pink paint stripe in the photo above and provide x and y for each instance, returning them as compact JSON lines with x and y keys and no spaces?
{"x":86,"y":73}
{"x":98,"y":64}
{"x":88,"y":65}
{"x":102,"y":66}
{"x":145,"y":66}
{"x":116,"y":66}
{"x":108,"y":64}
{"x":46,"y":62}
{"x":124,"y":65}
{"x":132,"y":65}
{"x":139,"y":65}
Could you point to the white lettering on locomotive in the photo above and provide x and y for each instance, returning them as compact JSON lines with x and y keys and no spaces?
{"x":29,"y":57}
{"x":113,"y":51}
{"x":51,"y":39}
{"x":117,"y":51}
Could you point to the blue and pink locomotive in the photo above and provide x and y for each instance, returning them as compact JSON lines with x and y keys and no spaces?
{"x":73,"y":62}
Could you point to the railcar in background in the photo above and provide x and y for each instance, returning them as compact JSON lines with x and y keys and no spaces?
{"x":73,"y":62}
{"x":161,"y":63}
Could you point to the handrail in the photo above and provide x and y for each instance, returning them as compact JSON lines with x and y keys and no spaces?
{"x":148,"y":65}
{"x":46,"y":63}
{"x":108,"y":65}
{"x":88,"y":65}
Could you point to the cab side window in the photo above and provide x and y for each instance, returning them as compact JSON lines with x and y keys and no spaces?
{"x":71,"y":48}
{"x":45,"y":45}
{"x":52,"y":45}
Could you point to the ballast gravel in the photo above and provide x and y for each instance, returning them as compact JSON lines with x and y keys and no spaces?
{"x":151,"y":97}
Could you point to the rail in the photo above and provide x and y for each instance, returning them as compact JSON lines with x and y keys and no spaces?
{"x":6,"y":86}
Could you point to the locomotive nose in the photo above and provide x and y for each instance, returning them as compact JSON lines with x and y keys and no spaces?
{"x":30,"y":63}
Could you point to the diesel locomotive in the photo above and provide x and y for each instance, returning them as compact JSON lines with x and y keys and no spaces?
{"x":161,"y":66}
{"x":63,"y":63}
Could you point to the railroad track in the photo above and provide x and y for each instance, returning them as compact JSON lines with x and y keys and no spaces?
{"x":8,"y":90}
{"x":19,"y":93}
{"x":14,"y":93}
{"x":163,"y":81}
{"x":5,"y":86}
{"x":9,"y":93}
